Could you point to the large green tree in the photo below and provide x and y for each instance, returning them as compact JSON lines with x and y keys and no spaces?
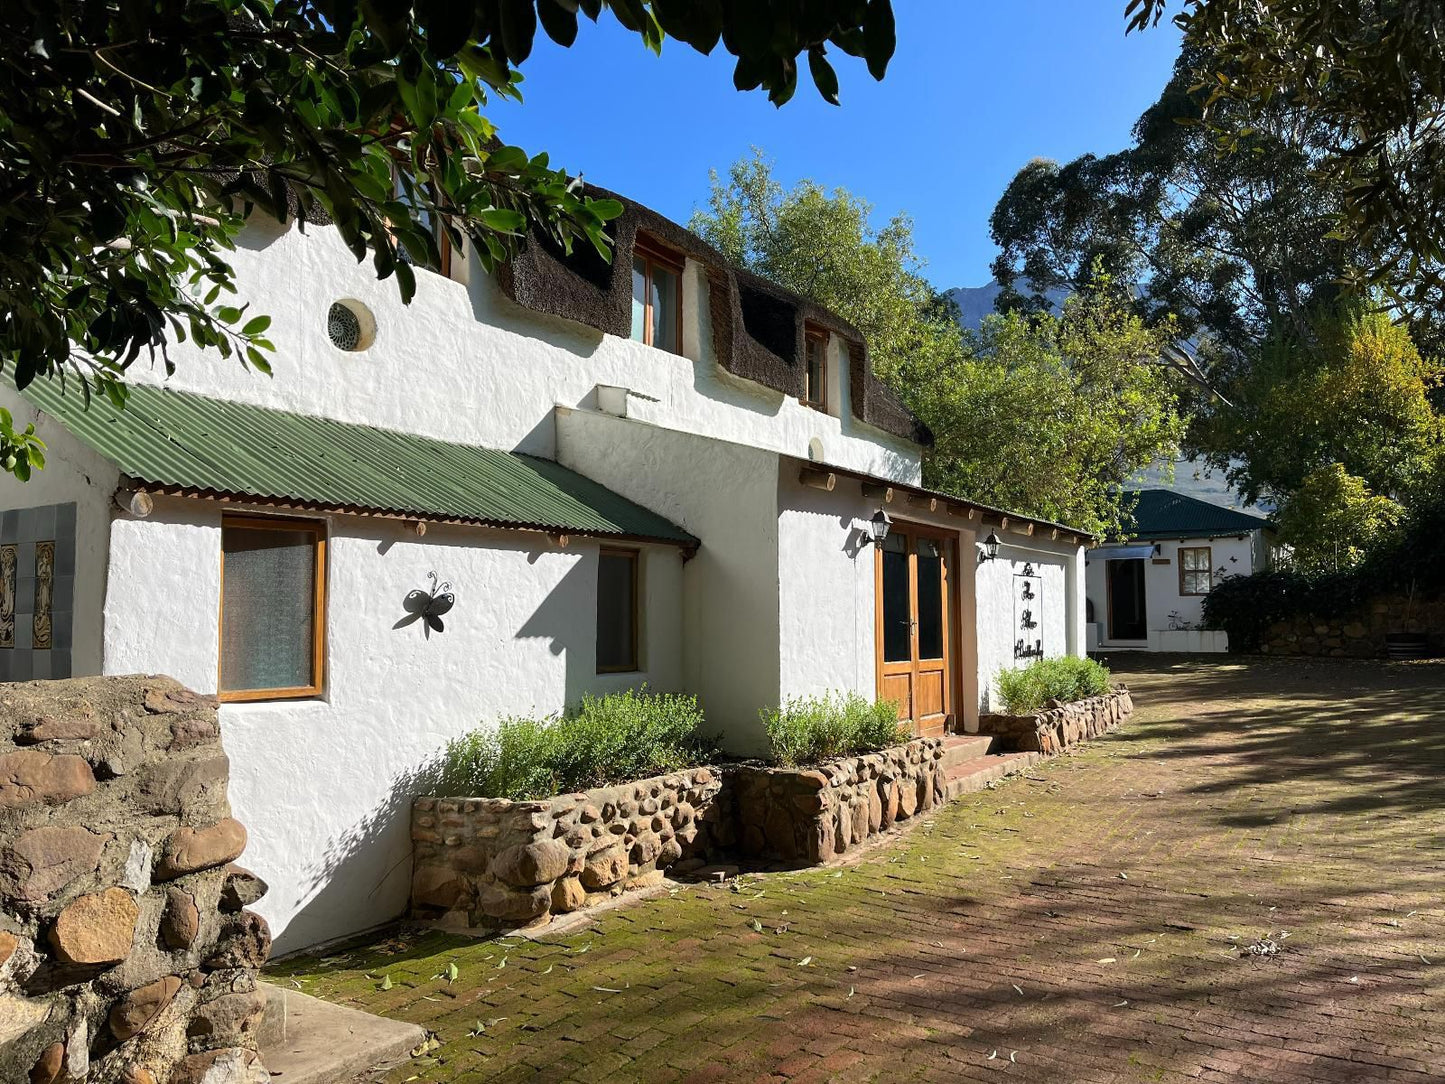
{"x":137,"y":135}
{"x":1370,"y":74}
{"x":1241,"y":244}
{"x":1351,"y":390}
{"x":1232,"y":246}
{"x":1049,"y":415}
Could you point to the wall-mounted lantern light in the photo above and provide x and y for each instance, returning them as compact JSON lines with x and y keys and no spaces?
{"x":878,"y":528}
{"x":990,"y":546}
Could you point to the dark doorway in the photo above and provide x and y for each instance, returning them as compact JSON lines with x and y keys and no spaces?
{"x":1126,"y":600}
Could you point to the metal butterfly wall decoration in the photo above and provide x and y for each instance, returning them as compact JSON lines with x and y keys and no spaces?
{"x":428,"y":606}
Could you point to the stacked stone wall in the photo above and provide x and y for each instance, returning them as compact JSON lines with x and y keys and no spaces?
{"x":1060,"y":726}
{"x":491,"y":861}
{"x":1359,"y":634}
{"x":126,"y":951}
{"x":814,"y":814}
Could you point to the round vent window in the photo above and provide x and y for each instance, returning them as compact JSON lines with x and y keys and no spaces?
{"x":350,"y":325}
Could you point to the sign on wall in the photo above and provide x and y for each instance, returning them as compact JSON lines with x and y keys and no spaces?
{"x":1028,"y":613}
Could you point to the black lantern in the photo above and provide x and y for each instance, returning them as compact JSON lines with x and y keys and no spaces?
{"x":990,"y":546}
{"x":878,"y":527}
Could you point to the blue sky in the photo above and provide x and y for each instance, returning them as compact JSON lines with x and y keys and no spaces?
{"x":975,"y":90}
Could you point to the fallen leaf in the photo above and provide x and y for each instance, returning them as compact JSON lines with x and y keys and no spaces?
{"x":756,"y":925}
{"x":992,"y":1056}
{"x":453,"y":972}
{"x":386,"y":982}
{"x":805,"y":961}
{"x":1019,"y":988}
{"x":1107,"y":960}
{"x":606,"y":990}
{"x":1120,"y":1004}
{"x":850,"y":991}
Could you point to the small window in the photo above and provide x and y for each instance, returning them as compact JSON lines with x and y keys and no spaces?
{"x":617,"y":611}
{"x":815,"y":387}
{"x":273,"y":591}
{"x":1196,"y":575}
{"x":656,"y":297}
{"x":428,"y":222}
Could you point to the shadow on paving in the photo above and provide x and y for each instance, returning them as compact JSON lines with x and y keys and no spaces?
{"x":1081,"y":923}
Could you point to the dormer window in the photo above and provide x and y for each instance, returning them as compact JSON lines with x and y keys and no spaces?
{"x":815,"y":376}
{"x":656,"y":296}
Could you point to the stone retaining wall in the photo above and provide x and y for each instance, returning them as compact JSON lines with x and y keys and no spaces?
{"x":1060,"y":726}
{"x":490,"y":861}
{"x":126,"y":952}
{"x":1359,"y":635}
{"x":813,"y":814}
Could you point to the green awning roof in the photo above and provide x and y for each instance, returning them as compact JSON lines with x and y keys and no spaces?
{"x":1163,"y":513}
{"x":214,"y":447}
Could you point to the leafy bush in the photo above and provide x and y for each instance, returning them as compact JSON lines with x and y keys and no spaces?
{"x":810,"y":729}
{"x":1413,"y":562}
{"x":606,"y":739}
{"x":1066,"y":678}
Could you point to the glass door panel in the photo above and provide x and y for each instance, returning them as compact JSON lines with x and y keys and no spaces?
{"x":930,"y":598}
{"x":897,"y":615}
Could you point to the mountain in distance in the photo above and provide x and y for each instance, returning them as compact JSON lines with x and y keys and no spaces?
{"x":976,"y":302}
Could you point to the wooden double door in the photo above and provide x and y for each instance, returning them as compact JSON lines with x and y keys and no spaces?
{"x":913,"y":579}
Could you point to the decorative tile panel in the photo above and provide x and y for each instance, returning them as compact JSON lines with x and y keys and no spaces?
{"x":44,"y":595}
{"x":37,"y":589}
{"x":7,"y":596}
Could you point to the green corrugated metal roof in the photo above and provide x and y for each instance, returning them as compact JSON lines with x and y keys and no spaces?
{"x":192,"y":442}
{"x":1162,"y":513}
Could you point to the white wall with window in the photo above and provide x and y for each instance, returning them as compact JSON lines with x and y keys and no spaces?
{"x":463,"y":363}
{"x":320,"y":776}
{"x":1141,"y":588}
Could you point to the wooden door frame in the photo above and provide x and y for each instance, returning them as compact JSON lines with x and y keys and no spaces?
{"x":952,"y":633}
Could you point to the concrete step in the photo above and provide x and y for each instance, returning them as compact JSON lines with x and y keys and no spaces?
{"x":974,"y":775}
{"x":305,"y":1040}
{"x":961,"y":748}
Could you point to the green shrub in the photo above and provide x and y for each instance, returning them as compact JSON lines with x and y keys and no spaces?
{"x":810,"y":729}
{"x":1066,"y":678}
{"x":604,"y":740}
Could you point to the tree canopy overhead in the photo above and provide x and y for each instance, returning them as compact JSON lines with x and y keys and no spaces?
{"x":136,"y":135}
{"x":1371,"y":75}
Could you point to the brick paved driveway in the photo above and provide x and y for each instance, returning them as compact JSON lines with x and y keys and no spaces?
{"x":1082,"y":923}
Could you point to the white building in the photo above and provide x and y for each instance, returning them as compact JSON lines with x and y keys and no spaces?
{"x":661,"y":470}
{"x":1147,"y":593}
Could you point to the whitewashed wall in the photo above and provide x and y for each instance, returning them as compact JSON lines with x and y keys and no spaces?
{"x":826,"y":589}
{"x":323,"y":785}
{"x":72,"y":473}
{"x":464,"y":363}
{"x":1061,"y":613}
{"x":726,"y":495}
{"x":1238,"y":556}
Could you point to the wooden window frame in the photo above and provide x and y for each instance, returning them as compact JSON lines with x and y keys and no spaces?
{"x":1208,"y":569}
{"x":814,"y":334}
{"x":654,"y":254}
{"x":635,"y":556}
{"x":317,"y":529}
